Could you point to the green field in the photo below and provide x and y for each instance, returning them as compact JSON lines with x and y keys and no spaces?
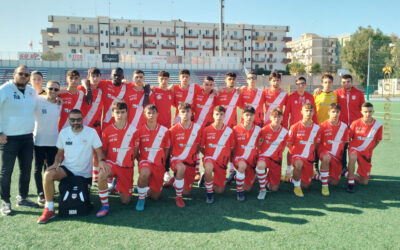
{"x":367,"y":219}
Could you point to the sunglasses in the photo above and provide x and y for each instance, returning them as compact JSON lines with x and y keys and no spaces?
{"x":301,"y":83}
{"x":75,"y":119}
{"x":252,"y":78}
{"x":23,"y":74}
{"x":55,"y":89}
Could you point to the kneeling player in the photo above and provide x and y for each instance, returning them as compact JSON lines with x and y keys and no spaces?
{"x":334,"y":134}
{"x":118,"y":149}
{"x":152,"y":146}
{"x":365,"y":135}
{"x":185,"y":141}
{"x":304,"y":137}
{"x":245,"y":155}
{"x":217,"y":144}
{"x":273,"y":139}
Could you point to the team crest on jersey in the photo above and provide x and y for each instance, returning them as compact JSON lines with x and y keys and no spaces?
{"x":44,"y":111}
{"x":210,"y":145}
{"x":109,"y":95}
{"x":181,"y":145}
{"x":66,"y":110}
{"x":169,"y":97}
{"x":68,"y":142}
{"x":353,"y":97}
{"x":158,"y":97}
{"x":114,"y":150}
{"x":16,"y":96}
{"x":295,"y":101}
{"x":261,"y":140}
{"x":330,"y":142}
{"x":134,"y":106}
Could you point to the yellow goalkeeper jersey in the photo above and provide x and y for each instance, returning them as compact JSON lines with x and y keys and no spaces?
{"x":322,"y":102}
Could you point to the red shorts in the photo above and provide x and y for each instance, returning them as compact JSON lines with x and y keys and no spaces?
{"x":274,"y":170}
{"x":307,"y":171}
{"x":190,"y":173}
{"x":335,"y":166}
{"x":364,"y":164}
{"x":219,"y":172}
{"x":250,"y":173}
{"x":156,"y":175}
{"x":124,"y":178}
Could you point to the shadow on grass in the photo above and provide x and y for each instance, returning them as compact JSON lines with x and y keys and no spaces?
{"x":227,"y":213}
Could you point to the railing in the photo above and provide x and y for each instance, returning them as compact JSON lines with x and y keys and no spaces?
{"x":73,"y":44}
{"x":72,"y":31}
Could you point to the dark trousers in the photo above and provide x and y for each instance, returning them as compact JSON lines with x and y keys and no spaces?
{"x":43,"y":153}
{"x":20,"y":147}
{"x":167,"y":163}
{"x":344,"y":156}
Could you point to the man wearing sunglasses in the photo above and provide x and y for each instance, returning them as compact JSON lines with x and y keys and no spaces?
{"x":47,"y":113}
{"x":17,"y":104}
{"x":74,"y":158}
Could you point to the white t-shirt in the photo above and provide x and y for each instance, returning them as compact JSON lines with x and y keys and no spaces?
{"x":78,"y":149}
{"x":46,"y":122}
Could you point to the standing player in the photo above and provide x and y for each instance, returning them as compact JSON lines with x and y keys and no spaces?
{"x":72,"y":98}
{"x":365,"y":135}
{"x":118,"y":151}
{"x":185,"y":139}
{"x":274,"y":96}
{"x":334,"y":134}
{"x":217,"y":143}
{"x":304,"y":138}
{"x":273,"y":138}
{"x":325,"y":98}
{"x":152,"y":146}
{"x":246,"y":136}
{"x":293,"y":106}
{"x":254,"y":97}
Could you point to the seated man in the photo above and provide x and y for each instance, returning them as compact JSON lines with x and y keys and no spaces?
{"x":152,"y":146}
{"x":75,"y":145}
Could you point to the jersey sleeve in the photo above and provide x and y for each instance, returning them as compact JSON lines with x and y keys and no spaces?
{"x":317,"y":138}
{"x":166,"y":143}
{"x":203,"y":137}
{"x":288,"y":108}
{"x":379,"y":134}
{"x":136,"y":139}
{"x":291,"y":136}
{"x":232,"y":140}
{"x":105,"y":141}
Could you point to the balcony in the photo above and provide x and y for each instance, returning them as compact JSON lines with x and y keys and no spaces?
{"x":208,"y":48}
{"x":152,"y":34}
{"x":73,"y":44}
{"x":271,"y":60}
{"x":52,"y":31}
{"x":53,"y":44}
{"x":113,"y":33}
{"x":167,"y":46}
{"x":258,"y":60}
{"x":271,"y":49}
{"x":121,"y":45}
{"x":191,"y":36}
{"x":286,"y":50}
{"x":272,"y":38}
{"x":236,"y":38}
{"x":72,"y":31}
{"x":258,"y":49}
{"x":150,"y":45}
{"x":135,"y":33}
{"x":135,"y":46}
{"x":217,"y":48}
{"x":90,"y":32}
{"x":170,"y":35}
{"x":208,"y":36}
{"x":286,"y":39}
{"x":286,"y":60}
{"x":191,"y":47}
{"x":93,"y":44}
{"x":236,"y":49}
{"x":255,"y":37}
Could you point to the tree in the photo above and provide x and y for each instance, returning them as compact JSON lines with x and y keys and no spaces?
{"x":296,"y":68}
{"x":52,"y":56}
{"x":316,"y":68}
{"x":355,"y":54}
{"x":395,"y":60}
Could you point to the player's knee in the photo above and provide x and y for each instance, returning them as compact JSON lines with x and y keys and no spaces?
{"x":242,"y":166}
{"x":247,"y":188}
{"x":326,"y":159}
{"x":218,"y":189}
{"x":48,"y":175}
{"x":273,"y":188}
{"x":208,"y":167}
{"x":144,"y":173}
{"x":261,"y":165}
{"x":180,"y":168}
{"x":186,"y":192}
{"x":353,"y":157}
{"x":125,"y":199}
{"x":298,"y":164}
{"x":154,"y":195}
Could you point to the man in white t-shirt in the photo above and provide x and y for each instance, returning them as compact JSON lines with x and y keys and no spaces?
{"x":75,"y":144}
{"x":47,"y":113}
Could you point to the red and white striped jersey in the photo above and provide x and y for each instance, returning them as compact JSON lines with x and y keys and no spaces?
{"x":231,"y":100}
{"x":203,"y":107}
{"x":333,"y":138}
{"x":70,"y":102}
{"x":163,"y":99}
{"x":302,"y":140}
{"x":151,"y":144}
{"x":273,"y":99}
{"x":119,"y":145}
{"x":273,"y":143}
{"x":184,"y":142}
{"x":254,"y":98}
{"x":246,"y":142}
{"x":184,"y":95}
{"x":218,"y":144}
{"x":363,"y":137}
{"x":134,"y":100}
{"x":293,"y":106}
{"x":92,"y":112}
{"x":110,"y":94}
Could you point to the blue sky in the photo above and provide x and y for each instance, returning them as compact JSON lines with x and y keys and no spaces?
{"x":21,"y":21}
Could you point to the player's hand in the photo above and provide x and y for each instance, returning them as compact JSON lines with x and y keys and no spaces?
{"x":103,"y":167}
{"x":3,"y":139}
{"x":317,"y":91}
{"x":52,"y":167}
{"x":59,"y":101}
{"x":89,"y":96}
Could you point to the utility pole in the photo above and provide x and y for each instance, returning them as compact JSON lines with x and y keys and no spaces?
{"x":221,"y":27}
{"x":369,"y":59}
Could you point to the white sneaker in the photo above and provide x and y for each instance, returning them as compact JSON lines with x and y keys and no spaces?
{"x":262,"y":194}
{"x":167,"y":177}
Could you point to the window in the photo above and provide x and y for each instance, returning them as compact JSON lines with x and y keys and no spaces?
{"x":117,"y":31}
{"x":73,"y":51}
{"x":118,"y":42}
{"x":150,"y":30}
{"x":106,"y":32}
{"x":190,"y":43}
{"x":106,"y":45}
{"x":91,"y":28}
{"x":207,"y":43}
{"x":80,"y":50}
{"x":235,"y":33}
{"x":190,"y":32}
{"x":91,"y":41}
{"x":207,"y":32}
{"x":168,"y":31}
{"x":101,"y":32}
{"x":91,"y":51}
{"x":150,"y":53}
{"x":168,"y":53}
{"x":135,"y":30}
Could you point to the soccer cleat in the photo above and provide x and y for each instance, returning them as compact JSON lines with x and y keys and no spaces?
{"x":240,"y":196}
{"x":167,"y":176}
{"x":325,"y":191}
{"x":103,"y":211}
{"x":210,"y":198}
{"x":350,"y":189}
{"x":201,"y":181}
{"x":25,"y":202}
{"x":179,"y":202}
{"x":46,"y":216}
{"x":197,"y":177}
{"x":140,"y":205}
{"x":6,"y":208}
{"x":40,"y":199}
{"x":231,"y":177}
{"x":262,"y":194}
{"x":170,"y":183}
{"x":286,"y":178}
{"x":298,"y":192}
